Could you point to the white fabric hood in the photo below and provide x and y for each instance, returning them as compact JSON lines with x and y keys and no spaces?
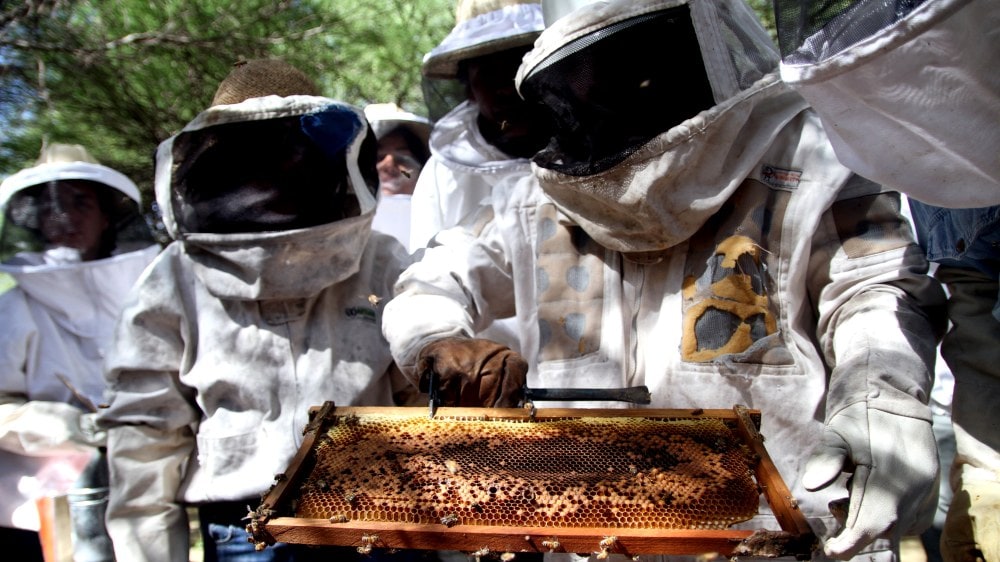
{"x":665,"y":190}
{"x":457,"y":142}
{"x":84,"y":296}
{"x":476,"y":34}
{"x":57,"y":171}
{"x":914,"y":105}
{"x":272,"y":265}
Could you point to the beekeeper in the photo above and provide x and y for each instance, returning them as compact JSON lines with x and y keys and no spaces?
{"x":492,"y":133}
{"x":268,"y":302}
{"x":910,"y":94}
{"x":402,"y":152}
{"x":697,"y":235}
{"x":74,"y":240}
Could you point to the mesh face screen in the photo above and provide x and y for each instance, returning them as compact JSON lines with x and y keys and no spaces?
{"x":811,"y":31}
{"x":580,"y":472}
{"x":96,"y":219}
{"x":612,"y":91}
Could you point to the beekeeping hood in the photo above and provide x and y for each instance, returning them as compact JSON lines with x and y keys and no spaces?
{"x":272,"y":196}
{"x":33,"y":192}
{"x":662,"y":108}
{"x":385,"y":118}
{"x":482,"y":27}
{"x":908,"y":90}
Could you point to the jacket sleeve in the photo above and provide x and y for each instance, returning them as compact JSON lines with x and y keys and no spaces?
{"x":461,"y":284}
{"x":33,"y":427}
{"x":879,"y":314}
{"x":150,"y":420}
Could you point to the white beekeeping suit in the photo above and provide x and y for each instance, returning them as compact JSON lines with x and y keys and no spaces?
{"x":695,"y":233}
{"x":267,"y":303}
{"x":59,"y":318}
{"x":910,"y":95}
{"x":464,"y":166}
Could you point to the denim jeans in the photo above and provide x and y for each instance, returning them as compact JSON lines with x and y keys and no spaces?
{"x":229,"y":543}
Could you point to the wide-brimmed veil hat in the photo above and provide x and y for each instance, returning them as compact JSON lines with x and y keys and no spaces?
{"x":483,"y":27}
{"x":258,"y":97}
{"x":386,"y":117}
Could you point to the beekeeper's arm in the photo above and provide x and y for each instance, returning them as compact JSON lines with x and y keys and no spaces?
{"x":150,"y":424}
{"x":34,"y":427}
{"x":460,"y":285}
{"x":879,"y":318}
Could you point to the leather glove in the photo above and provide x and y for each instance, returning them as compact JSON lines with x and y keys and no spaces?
{"x":473,"y":372}
{"x":893,"y":489}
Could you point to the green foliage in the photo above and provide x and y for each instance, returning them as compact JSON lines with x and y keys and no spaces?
{"x":120,"y":77}
{"x":766,"y":13}
{"x":6,"y":282}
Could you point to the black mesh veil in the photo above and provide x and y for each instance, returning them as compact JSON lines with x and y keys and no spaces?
{"x":615,"y":89}
{"x":46,"y":215}
{"x":810,"y":31}
{"x":270,"y":175}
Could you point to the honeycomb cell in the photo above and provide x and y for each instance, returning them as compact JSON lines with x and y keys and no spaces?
{"x":579,"y":472}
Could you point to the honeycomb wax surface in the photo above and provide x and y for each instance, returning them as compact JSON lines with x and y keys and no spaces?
{"x":578,"y":472}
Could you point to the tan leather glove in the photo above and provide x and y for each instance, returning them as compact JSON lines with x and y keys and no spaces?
{"x":473,"y":372}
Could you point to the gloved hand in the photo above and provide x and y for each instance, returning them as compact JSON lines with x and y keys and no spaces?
{"x":893,"y":490}
{"x":40,"y":427}
{"x":473,"y":372}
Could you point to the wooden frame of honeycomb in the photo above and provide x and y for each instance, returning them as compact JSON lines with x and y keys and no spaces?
{"x":628,"y":481}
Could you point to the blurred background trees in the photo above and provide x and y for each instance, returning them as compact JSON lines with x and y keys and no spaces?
{"x":119,"y":77}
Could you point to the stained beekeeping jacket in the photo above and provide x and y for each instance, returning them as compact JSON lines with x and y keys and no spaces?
{"x":58,"y":322}
{"x":720,"y":256}
{"x":908,"y":91}
{"x":230,"y":337}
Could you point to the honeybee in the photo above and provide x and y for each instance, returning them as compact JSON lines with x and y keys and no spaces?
{"x":605,"y":545}
{"x":449,"y":520}
{"x":366,"y":544}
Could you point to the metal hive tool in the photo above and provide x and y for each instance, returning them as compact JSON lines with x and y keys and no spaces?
{"x":566,"y":480}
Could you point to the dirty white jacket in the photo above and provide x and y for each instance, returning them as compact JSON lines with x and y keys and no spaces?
{"x":58,"y":322}
{"x":800,"y":292}
{"x":225,"y":344}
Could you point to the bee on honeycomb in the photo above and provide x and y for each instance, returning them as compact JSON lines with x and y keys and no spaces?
{"x":574,"y":472}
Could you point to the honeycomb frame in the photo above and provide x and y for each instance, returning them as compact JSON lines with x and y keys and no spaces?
{"x":348,"y":495}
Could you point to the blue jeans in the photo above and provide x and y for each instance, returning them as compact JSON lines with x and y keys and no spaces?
{"x":229,"y":543}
